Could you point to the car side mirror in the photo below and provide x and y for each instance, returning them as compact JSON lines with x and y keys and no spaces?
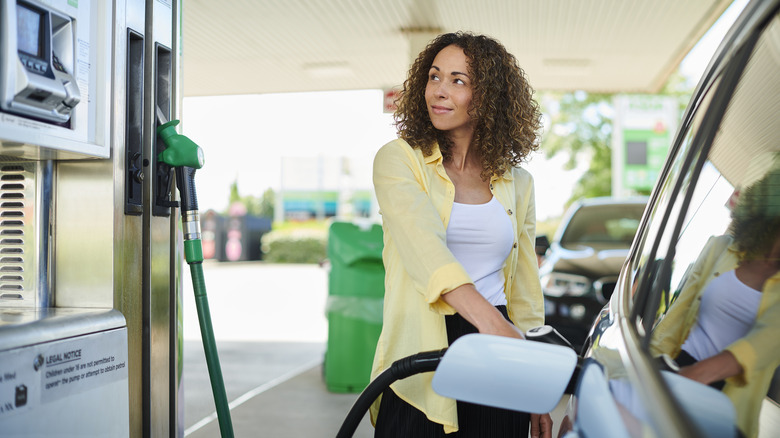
{"x":507,"y":373}
{"x":542,"y":245}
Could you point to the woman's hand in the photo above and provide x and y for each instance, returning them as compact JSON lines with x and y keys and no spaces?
{"x":721,"y":366}
{"x":472,"y":306}
{"x":502,"y":327}
{"x":541,"y":426}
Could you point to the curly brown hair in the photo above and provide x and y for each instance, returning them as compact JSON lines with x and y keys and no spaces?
{"x":755,"y":219}
{"x":507,"y":119}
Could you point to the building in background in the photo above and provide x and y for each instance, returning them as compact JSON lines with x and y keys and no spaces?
{"x":321,"y":187}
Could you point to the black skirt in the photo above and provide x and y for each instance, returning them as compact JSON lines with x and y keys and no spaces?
{"x":398,"y":419}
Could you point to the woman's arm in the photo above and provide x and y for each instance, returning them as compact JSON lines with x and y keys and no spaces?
{"x":413,"y":226}
{"x":719,"y":367}
{"x":470,"y":304}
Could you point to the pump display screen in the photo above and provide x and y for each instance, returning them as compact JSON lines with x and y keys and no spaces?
{"x":29,"y":25}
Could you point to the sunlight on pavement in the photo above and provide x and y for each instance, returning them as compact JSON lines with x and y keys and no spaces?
{"x":254,"y":301}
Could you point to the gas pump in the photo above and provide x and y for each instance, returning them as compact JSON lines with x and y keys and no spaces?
{"x":89,"y":270}
{"x":38,"y":79}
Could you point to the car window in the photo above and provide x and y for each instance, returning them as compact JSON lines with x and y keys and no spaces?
{"x":611,"y":225}
{"x":745,"y":155}
{"x":653,"y":242}
{"x":707,"y":274}
{"x":651,"y":250}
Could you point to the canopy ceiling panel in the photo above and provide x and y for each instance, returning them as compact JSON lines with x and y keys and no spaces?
{"x":271,"y":46}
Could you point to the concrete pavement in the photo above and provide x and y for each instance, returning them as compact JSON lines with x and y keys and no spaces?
{"x":271,"y":331}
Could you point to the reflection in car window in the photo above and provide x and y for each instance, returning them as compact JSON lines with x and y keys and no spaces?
{"x":654,"y":242}
{"x":651,"y":246}
{"x":721,"y":296}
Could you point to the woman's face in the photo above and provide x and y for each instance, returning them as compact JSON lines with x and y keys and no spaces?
{"x":448,"y":93}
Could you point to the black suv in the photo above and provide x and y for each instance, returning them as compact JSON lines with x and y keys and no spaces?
{"x":582,"y":264}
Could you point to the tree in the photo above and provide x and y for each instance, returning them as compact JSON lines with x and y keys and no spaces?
{"x":267,"y":204}
{"x":235,"y":196}
{"x":679,"y":87}
{"x":263,"y":207}
{"x":581,"y":126}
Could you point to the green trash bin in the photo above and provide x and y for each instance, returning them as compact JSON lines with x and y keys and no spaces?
{"x":354,"y":309}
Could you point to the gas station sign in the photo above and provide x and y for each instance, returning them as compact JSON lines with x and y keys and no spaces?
{"x":643,"y":130}
{"x":645,"y":153}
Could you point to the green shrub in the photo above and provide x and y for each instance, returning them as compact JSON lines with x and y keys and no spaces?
{"x":300,"y":245}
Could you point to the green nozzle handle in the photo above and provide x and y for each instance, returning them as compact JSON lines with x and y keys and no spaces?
{"x":180,"y":151}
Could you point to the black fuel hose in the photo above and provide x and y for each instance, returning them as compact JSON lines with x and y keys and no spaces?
{"x":428,"y":361}
{"x":402,"y":368}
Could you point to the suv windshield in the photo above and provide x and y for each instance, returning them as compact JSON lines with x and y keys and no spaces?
{"x":605,"y":226}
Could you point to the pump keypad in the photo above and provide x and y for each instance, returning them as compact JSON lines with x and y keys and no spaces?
{"x":34,"y":65}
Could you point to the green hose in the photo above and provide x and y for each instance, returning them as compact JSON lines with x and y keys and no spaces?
{"x":185,"y":156}
{"x":210,"y":346}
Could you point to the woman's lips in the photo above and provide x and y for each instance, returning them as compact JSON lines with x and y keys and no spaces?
{"x":439,"y":109}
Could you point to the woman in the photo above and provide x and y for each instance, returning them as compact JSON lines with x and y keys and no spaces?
{"x":723,"y":328}
{"x":459,"y":228}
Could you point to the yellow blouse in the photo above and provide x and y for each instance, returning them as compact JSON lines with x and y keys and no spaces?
{"x":415,"y":198}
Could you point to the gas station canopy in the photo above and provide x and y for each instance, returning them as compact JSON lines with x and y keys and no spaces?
{"x":273,"y":46}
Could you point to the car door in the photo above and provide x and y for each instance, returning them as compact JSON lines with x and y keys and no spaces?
{"x":727,"y":146}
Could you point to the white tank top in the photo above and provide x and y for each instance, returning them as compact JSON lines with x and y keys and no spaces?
{"x":727,"y":312}
{"x":480,"y":237}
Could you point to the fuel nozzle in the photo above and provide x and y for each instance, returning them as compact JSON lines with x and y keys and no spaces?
{"x":180,"y":150}
{"x":185,"y":157}
{"x":548,"y":335}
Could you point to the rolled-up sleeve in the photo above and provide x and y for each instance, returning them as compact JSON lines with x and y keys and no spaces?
{"x":414,"y":229}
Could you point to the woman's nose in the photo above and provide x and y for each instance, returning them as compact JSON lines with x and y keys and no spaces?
{"x":440,"y":90}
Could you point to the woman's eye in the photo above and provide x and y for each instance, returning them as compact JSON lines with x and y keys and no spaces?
{"x":433,"y":77}
{"x":459,"y":81}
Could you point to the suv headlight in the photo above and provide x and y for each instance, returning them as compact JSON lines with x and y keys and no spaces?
{"x":558,"y":284}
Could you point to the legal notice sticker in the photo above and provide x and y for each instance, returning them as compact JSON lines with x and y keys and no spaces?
{"x":43,"y":373}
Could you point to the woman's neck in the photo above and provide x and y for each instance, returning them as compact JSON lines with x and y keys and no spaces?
{"x":462,"y":160}
{"x":462,"y":153}
{"x":755,"y":273}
